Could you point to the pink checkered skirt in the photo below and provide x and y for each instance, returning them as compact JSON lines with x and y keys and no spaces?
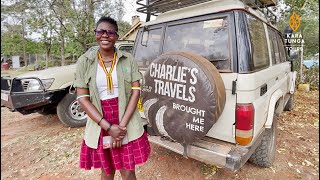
{"x":134,"y":153}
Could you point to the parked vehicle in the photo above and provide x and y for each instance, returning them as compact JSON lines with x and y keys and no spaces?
{"x":48,"y":91}
{"x":311,"y":63}
{"x":216,"y":76}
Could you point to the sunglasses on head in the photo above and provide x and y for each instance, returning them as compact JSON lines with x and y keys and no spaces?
{"x":100,"y":32}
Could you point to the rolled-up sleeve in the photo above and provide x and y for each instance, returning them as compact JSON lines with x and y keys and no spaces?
{"x":135,"y":73}
{"x":79,"y":80}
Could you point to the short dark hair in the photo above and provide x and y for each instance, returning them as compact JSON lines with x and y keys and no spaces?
{"x":109,"y":20}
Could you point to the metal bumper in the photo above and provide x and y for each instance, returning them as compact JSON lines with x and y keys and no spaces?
{"x":222,"y":154}
{"x":15,"y":98}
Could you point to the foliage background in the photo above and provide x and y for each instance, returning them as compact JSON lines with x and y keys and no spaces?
{"x":66,"y":27}
{"x":308,"y":11}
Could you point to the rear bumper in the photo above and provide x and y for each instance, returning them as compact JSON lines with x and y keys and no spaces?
{"x":26,"y":102}
{"x":217,"y":153}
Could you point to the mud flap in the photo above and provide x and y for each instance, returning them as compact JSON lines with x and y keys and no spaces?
{"x":293,"y":82}
{"x":185,"y":150}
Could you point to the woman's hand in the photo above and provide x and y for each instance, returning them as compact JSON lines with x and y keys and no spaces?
{"x":117,"y":132}
{"x":116,"y":143}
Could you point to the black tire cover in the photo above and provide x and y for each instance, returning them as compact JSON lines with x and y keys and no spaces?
{"x":183,"y":96}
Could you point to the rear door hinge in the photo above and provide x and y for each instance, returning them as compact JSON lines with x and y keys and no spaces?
{"x":234,"y":86}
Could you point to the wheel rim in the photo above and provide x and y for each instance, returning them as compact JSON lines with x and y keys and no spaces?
{"x":76,"y":112}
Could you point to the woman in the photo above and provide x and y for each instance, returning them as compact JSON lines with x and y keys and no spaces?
{"x":108,"y":89}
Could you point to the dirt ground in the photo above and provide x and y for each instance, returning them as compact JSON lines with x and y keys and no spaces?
{"x":39,"y":147}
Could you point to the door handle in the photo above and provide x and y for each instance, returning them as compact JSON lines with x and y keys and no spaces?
{"x":263,"y":89}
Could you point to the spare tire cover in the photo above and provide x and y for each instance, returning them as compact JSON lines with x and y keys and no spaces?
{"x":183,"y":96}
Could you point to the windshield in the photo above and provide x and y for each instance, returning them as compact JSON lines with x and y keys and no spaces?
{"x":126,"y":48}
{"x":209,"y":38}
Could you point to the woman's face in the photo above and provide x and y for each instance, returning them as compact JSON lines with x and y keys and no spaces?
{"x":106,"y":40}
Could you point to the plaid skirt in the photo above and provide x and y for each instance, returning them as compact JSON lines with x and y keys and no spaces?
{"x":134,"y":153}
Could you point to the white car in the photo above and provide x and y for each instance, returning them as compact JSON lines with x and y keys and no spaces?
{"x":47,"y":91}
{"x":216,"y":76}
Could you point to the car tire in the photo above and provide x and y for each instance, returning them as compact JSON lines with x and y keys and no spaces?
{"x":264,"y":154}
{"x":290,"y":103}
{"x":70,"y":113}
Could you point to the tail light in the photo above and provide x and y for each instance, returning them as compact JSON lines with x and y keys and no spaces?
{"x":244,"y":123}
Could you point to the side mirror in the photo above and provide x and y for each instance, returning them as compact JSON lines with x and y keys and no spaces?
{"x":294,"y":55}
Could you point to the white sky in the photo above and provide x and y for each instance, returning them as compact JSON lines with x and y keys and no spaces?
{"x":130,"y":9}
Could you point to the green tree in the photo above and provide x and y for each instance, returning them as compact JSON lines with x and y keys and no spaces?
{"x":11,"y":40}
{"x":308,"y":11}
{"x":17,"y":10}
{"x":123,"y":27}
{"x":42,"y":21}
{"x":66,"y":26}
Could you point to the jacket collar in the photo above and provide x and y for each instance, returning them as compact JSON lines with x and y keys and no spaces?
{"x":91,"y":53}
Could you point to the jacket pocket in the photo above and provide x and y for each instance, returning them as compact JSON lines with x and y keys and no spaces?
{"x":127,"y":84}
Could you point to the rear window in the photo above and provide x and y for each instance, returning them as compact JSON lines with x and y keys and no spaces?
{"x":209,"y":38}
{"x":126,"y":48}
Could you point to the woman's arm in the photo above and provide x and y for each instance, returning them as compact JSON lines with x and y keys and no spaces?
{"x":115,"y":130}
{"x":132,"y":104}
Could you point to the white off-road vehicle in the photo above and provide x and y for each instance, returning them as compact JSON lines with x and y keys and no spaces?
{"x":48,"y":91}
{"x":216,"y":76}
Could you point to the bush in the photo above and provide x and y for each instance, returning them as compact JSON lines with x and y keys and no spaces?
{"x":42,"y":64}
{"x":309,"y":76}
{"x":68,"y":62}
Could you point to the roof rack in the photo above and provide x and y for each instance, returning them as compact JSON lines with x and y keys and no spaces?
{"x":155,"y":7}
{"x":262,"y":6}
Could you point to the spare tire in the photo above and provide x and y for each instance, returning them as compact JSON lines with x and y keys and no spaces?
{"x":183,"y":96}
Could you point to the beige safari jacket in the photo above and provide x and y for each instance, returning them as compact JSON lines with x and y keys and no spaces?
{"x":127,"y":72}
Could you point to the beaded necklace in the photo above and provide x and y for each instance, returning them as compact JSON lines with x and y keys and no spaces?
{"x":108,"y":74}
